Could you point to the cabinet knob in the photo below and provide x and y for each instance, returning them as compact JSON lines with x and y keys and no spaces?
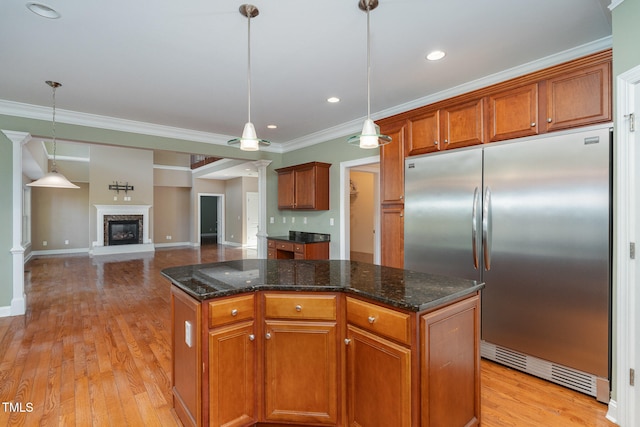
{"x":446,"y":141}
{"x":347,"y":341}
{"x":533,"y":124}
{"x":402,"y":197}
{"x":268,"y":335}
{"x":234,"y":312}
{"x":298,"y":308}
{"x":435,"y":142}
{"x":252,"y":337}
{"x":371,"y":319}
{"x":549,"y":120}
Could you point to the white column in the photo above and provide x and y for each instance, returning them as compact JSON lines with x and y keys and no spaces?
{"x":18,"y":301}
{"x":261,"y":165}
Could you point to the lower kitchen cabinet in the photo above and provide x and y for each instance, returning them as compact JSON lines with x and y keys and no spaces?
{"x":378,"y":380}
{"x":324,"y":359}
{"x":232,"y":375}
{"x":301,"y":378}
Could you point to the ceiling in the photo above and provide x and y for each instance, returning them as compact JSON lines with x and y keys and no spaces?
{"x":183,"y":64}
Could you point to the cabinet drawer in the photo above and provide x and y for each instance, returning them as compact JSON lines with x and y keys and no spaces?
{"x":380,"y":320}
{"x":284,"y":246}
{"x":298,"y":248}
{"x":303,"y":306}
{"x":271,"y":243}
{"x":230,"y":310}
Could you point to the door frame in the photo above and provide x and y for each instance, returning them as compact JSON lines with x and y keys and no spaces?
{"x":345,"y":208}
{"x":626,"y":347}
{"x":221,"y":219}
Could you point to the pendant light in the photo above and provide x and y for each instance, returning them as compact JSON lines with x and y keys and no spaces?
{"x":53,"y":179}
{"x":249,"y":141}
{"x":370,"y":136}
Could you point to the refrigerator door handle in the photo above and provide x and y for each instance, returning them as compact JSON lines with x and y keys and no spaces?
{"x":486,"y":229}
{"x":474,"y":228}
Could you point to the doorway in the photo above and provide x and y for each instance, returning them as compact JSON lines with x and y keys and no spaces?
{"x":359,"y":210}
{"x":211,"y":219}
{"x":252,"y":215}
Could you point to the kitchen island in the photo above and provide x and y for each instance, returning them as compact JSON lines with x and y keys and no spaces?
{"x":324,"y":343}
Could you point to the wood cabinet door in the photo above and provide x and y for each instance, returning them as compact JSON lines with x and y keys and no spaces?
{"x":305,"y":188}
{"x":424,"y":133}
{"x":392,"y":164}
{"x":378,"y":381}
{"x":579,"y":98}
{"x":232,"y":377}
{"x":392,"y":236}
{"x":450,"y":354}
{"x":301,"y":375}
{"x":514,"y":113}
{"x":286,"y":190}
{"x":463,"y":124}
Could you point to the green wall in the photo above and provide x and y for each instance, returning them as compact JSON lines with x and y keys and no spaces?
{"x":626,"y":35}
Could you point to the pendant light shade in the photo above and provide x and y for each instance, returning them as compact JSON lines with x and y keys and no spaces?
{"x":53,"y":179}
{"x":249,"y":140}
{"x":370,"y":136}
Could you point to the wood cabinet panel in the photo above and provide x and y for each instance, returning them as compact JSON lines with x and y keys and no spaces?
{"x":463,"y":124}
{"x":514,"y":113}
{"x":392,"y":236}
{"x":451,"y":355}
{"x":281,"y":249}
{"x":286,"y":190}
{"x":186,"y":359}
{"x":378,"y":381}
{"x":392,"y":163}
{"x":232,"y":376}
{"x":579,"y":98}
{"x":299,"y":354}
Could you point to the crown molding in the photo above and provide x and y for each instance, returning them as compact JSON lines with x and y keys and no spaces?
{"x":615,"y":3}
{"x":340,"y":131}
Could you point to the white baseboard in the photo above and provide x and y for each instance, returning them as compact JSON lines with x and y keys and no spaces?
{"x":612,"y":413}
{"x":59,"y":252}
{"x":172,"y":244}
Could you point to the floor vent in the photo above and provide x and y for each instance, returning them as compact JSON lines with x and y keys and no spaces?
{"x":567,"y":377}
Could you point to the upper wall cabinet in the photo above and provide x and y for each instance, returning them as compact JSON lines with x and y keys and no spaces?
{"x":514,"y":113}
{"x":579,"y":98}
{"x":304,"y":186}
{"x":392,"y":163}
{"x":573,"y":94}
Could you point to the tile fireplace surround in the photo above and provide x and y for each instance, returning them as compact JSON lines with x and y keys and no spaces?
{"x":99,"y":247}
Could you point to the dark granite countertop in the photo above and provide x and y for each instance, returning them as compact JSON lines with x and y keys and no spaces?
{"x":303,"y":237}
{"x":404,"y":289}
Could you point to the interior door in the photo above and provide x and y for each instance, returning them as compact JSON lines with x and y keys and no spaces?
{"x":252,"y":218}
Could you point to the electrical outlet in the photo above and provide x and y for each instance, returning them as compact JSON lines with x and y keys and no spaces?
{"x":44,"y":243}
{"x":293,"y":220}
{"x":187,"y":333}
{"x":66,"y":242}
{"x":271,"y":220}
{"x":304,"y":220}
{"x":284,"y":219}
{"x":115,"y":198}
{"x":331,"y":222}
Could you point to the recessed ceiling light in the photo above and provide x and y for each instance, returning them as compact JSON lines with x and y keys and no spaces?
{"x":435,"y":55}
{"x":43,"y":10}
{"x":272,"y":126}
{"x":333,"y":99}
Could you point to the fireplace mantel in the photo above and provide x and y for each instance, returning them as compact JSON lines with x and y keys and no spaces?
{"x":99,"y":247}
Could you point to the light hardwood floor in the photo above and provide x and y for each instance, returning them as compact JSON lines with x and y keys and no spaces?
{"x":94,"y":350}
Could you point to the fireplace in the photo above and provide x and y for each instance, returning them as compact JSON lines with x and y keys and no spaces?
{"x":126,"y":232}
{"x":122,"y":229}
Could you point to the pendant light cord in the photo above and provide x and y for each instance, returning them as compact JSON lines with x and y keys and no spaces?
{"x":53,"y":131}
{"x":249,"y":66}
{"x":368,"y":66}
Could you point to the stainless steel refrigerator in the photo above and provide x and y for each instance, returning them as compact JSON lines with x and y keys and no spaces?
{"x":532,"y":219}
